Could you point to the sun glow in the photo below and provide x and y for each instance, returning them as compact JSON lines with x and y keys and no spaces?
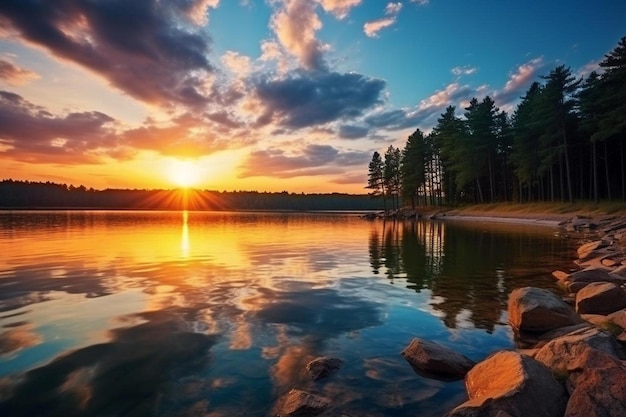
{"x":185,"y":173}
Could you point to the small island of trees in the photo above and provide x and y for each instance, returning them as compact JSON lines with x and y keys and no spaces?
{"x":564,"y":142}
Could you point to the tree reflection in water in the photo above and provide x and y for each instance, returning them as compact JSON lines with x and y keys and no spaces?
{"x":468,"y":269}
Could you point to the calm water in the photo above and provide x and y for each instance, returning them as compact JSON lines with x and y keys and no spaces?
{"x":216,"y":314}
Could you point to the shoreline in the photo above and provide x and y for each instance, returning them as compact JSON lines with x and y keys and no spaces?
{"x":539,"y":221}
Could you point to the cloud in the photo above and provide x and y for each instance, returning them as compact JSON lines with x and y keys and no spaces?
{"x":153,"y":50}
{"x":352,"y":131}
{"x":309,"y":99}
{"x":31,"y":133}
{"x":372,"y":28}
{"x":420,"y":2}
{"x":295,"y":26}
{"x":392,"y":9}
{"x":312,"y":160}
{"x":14,"y":75}
{"x":464,"y":70}
{"x":237,"y":63}
{"x":339,"y":8}
{"x":425,"y":113}
{"x":518,"y":82}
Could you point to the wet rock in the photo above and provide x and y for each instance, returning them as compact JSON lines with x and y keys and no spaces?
{"x":559,"y":352}
{"x":537,"y":310}
{"x":598,"y":386}
{"x":511,"y":384}
{"x":302,"y":404}
{"x":432,"y":358}
{"x":322,"y":367}
{"x":600,"y":298}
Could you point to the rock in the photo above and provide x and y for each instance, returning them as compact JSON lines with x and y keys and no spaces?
{"x":592,"y":275}
{"x":598,"y":384}
{"x":432,"y":358}
{"x":302,"y":404}
{"x":559,"y":352}
{"x":511,"y":384}
{"x":588,"y":248}
{"x":600,"y":298}
{"x":537,"y":310}
{"x":618,"y":318}
{"x":560,"y":275}
{"x":620,"y":271}
{"x":322,"y":367}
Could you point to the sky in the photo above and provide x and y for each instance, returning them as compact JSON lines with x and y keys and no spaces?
{"x":267,"y":95}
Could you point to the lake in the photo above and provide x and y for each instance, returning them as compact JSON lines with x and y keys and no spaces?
{"x":111,"y":313}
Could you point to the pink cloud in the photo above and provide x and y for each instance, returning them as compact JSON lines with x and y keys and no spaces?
{"x":295,"y":26}
{"x":339,"y":8}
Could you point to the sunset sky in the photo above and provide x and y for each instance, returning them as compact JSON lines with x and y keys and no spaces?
{"x":265,"y":95}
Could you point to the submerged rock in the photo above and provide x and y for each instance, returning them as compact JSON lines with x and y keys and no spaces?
{"x":514,"y":385}
{"x":322,"y":367}
{"x":302,"y":404}
{"x":432,"y":358}
{"x":537,"y":310}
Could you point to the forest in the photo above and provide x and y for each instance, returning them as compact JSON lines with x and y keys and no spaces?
{"x":30,"y":194}
{"x":564,"y":142}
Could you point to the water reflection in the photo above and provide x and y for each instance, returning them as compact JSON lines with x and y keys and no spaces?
{"x":184,"y":240}
{"x":170,"y":313}
{"x":469,"y":270}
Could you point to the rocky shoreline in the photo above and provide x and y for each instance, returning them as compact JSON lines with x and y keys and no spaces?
{"x":570,"y":356}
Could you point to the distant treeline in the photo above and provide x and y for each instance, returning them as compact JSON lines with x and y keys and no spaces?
{"x":28,"y":194}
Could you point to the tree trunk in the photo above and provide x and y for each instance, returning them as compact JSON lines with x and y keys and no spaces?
{"x":595,"y":173}
{"x":567,"y":170}
{"x":606,"y":171}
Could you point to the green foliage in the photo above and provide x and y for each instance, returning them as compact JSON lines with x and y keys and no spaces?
{"x":546,"y":151}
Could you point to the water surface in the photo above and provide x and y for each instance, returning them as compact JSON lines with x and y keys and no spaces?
{"x":217,"y":314}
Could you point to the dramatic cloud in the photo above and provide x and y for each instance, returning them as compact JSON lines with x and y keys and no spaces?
{"x":372,"y":28}
{"x":318,"y":98}
{"x":14,"y":75}
{"x":33,"y":134}
{"x":312,"y":160}
{"x":339,"y":8}
{"x":152,"y":50}
{"x":518,"y":82}
{"x":30,"y":133}
{"x":295,"y":26}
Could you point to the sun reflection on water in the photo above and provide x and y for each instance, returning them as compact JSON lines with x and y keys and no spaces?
{"x":184,"y":239}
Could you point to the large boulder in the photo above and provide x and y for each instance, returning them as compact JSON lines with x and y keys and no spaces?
{"x":559,"y":352}
{"x":598,"y":384}
{"x":431,"y":358}
{"x":537,"y":310}
{"x":600,"y":298}
{"x":322,"y":367}
{"x":302,"y":404}
{"x":509,"y":384}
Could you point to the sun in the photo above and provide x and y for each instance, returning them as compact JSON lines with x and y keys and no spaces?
{"x":184,"y":173}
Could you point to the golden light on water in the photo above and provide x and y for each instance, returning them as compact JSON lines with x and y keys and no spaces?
{"x":184,"y":240}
